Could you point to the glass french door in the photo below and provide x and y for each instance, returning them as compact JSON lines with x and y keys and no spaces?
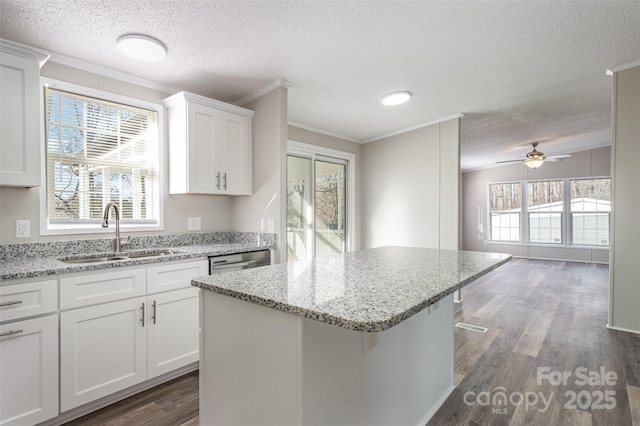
{"x":316,"y":206}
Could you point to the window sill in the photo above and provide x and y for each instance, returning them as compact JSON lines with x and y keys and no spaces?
{"x":570,"y":246}
{"x":97,"y":229}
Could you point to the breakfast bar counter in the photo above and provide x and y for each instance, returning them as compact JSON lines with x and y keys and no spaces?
{"x":360,"y":338}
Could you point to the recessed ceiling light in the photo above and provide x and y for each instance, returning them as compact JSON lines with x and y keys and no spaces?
{"x":396,"y":98}
{"x":142,"y":47}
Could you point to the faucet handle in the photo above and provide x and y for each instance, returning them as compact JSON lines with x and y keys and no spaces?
{"x":125,"y":241}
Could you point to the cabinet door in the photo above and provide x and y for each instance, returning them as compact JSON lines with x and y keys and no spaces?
{"x":102,"y":350}
{"x":173,"y":333}
{"x":19,"y":121}
{"x":29,"y":371}
{"x":235,"y":153}
{"x":204,"y":150}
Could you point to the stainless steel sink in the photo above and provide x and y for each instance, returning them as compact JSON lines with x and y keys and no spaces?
{"x":93,"y":259}
{"x":153,"y":253}
{"x":121,"y":256}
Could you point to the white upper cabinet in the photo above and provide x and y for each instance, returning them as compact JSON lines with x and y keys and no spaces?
{"x":20,"y":151}
{"x":209,"y":146}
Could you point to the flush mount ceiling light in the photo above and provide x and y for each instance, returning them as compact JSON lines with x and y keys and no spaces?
{"x":396,"y":98}
{"x":142,"y":47}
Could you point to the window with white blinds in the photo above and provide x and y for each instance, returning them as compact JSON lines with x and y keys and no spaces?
{"x":99,"y":152}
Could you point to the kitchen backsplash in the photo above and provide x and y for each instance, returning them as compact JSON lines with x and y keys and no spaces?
{"x":10,"y":252}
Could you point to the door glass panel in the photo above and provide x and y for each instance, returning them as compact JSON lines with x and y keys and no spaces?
{"x":299,"y":209}
{"x":330,"y":198}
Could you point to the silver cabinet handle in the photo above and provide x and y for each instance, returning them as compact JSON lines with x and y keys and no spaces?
{"x":11,"y":302}
{"x":218,"y":180}
{"x":155,"y":314}
{"x":10,"y":332}
{"x":142,"y":319}
{"x":225,"y":181}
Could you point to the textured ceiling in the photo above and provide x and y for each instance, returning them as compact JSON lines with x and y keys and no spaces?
{"x":518,"y":71}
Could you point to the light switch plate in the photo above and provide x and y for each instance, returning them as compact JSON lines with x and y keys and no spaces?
{"x":194,"y":224}
{"x":23,"y":228}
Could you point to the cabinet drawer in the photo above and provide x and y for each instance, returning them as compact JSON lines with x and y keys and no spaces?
{"x":102,"y":286}
{"x":174,"y":276}
{"x":28,"y":299}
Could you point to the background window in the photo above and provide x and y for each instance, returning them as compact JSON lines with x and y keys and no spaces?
{"x":590,"y":210}
{"x":505,"y":210}
{"x":99,"y":152}
{"x":544,"y":204}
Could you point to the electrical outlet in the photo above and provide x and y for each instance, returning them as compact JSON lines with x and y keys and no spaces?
{"x":23,"y":228}
{"x":271,"y":228}
{"x":193,"y":224}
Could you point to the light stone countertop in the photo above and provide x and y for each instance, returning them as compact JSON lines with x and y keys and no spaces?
{"x":370,"y":290}
{"x":44,"y":266}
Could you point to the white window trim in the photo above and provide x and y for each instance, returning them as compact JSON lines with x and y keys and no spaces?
{"x":524,"y":211}
{"x":521,"y":213}
{"x":70,"y":229}
{"x":313,"y":151}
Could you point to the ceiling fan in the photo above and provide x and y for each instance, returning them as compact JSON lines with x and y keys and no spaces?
{"x":535,"y":158}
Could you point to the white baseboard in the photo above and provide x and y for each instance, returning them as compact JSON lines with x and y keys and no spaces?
{"x":434,"y":409}
{"x":610,"y":327}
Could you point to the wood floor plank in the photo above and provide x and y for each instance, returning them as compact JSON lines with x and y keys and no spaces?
{"x":491,"y":307}
{"x":531,"y":339}
{"x":634,"y":404}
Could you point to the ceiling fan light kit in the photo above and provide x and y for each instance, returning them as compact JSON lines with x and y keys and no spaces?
{"x":536,"y":158}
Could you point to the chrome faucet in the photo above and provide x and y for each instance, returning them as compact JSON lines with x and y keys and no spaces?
{"x":105,"y":223}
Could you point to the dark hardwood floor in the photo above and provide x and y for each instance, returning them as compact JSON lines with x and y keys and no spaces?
{"x":542,"y":316}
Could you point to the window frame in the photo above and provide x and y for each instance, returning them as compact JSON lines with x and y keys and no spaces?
{"x":566,"y":215}
{"x":563,"y":237}
{"x":520,"y":213}
{"x":317,"y":152}
{"x":570,"y":213}
{"x":46,"y":228}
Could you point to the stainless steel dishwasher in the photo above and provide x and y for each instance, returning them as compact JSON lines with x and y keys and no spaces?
{"x":239,"y":261}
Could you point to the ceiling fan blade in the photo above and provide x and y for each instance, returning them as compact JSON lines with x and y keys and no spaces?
{"x":509,"y":161}
{"x":556,"y":160}
{"x":558,"y":156}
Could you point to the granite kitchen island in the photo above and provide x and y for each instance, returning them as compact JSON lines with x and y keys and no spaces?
{"x":362,"y":338}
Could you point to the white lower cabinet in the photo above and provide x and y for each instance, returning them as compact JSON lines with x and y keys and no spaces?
{"x":29,"y":371}
{"x":102,"y":351}
{"x":108,"y":347}
{"x":173,"y":332}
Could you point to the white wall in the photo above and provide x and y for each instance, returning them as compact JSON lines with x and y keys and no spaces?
{"x":410,"y":188}
{"x":313,"y":138}
{"x":595,"y":162}
{"x":624,"y":300}
{"x":268,"y":200}
{"x":23,"y":203}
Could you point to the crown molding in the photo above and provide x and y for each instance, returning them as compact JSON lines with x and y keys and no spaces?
{"x":24,"y":51}
{"x":322,"y":132}
{"x":623,"y":67}
{"x":262,"y":91}
{"x":415,"y":127}
{"x":111,"y":73}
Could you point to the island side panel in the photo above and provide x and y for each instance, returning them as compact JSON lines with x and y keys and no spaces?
{"x":402,"y":380}
{"x":250,"y":363}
